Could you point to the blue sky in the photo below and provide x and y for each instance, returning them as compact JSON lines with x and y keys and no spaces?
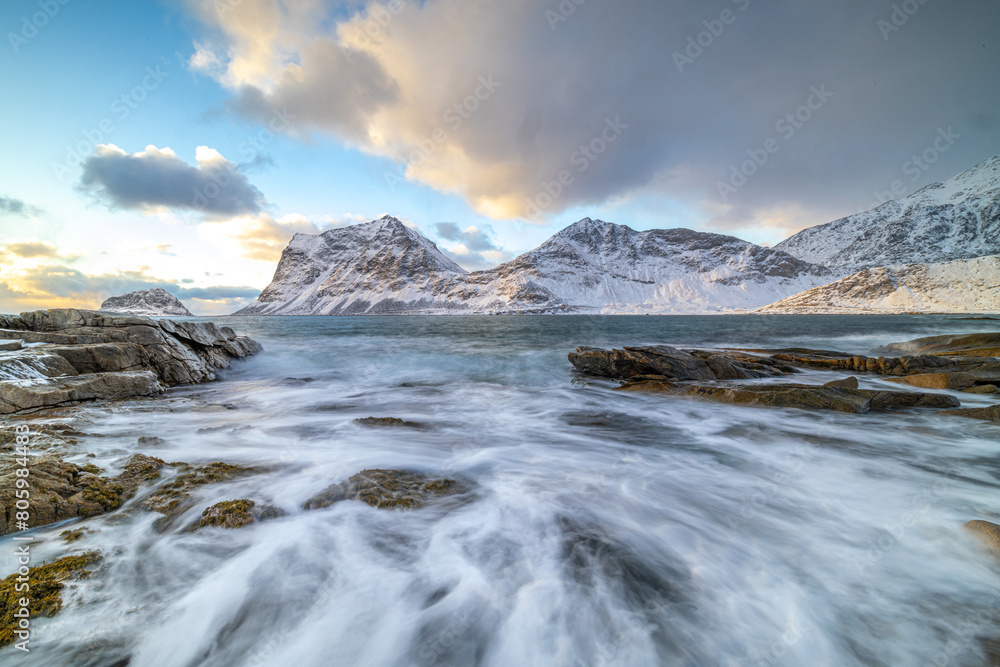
{"x":366,"y":88}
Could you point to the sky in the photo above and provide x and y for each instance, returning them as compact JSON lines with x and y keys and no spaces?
{"x":180,"y":144}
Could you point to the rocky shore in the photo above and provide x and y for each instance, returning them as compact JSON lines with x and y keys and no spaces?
{"x":966,"y":364}
{"x":956,"y":364}
{"x":43,"y":354}
{"x":64,"y":356}
{"x":58,"y":367}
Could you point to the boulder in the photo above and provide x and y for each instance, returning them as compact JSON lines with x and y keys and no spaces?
{"x":674,"y":364}
{"x":383,"y":422}
{"x":47,"y":582}
{"x":18,"y":395}
{"x":954,"y":381}
{"x":175,"y":497}
{"x":808,"y":397}
{"x":983,"y":389}
{"x":991,"y":413}
{"x":11,"y":345}
{"x":966,"y":345}
{"x":846,"y":383}
{"x":236,"y":514}
{"x":103,"y":357}
{"x":988,"y":534}
{"x":12,"y":322}
{"x":33,"y":364}
{"x":985,"y":369}
{"x":386,"y":489}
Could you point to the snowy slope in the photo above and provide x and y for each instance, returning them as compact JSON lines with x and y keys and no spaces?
{"x":156,"y":301}
{"x":599,"y":266}
{"x":591,"y":266}
{"x":957,"y":219}
{"x":961,"y":286}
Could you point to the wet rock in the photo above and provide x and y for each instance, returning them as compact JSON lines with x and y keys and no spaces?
{"x":51,"y":484}
{"x":33,"y":363}
{"x":293,"y":382}
{"x":988,"y":534}
{"x":668,"y":362}
{"x":966,"y":345}
{"x":846,"y":383}
{"x":386,"y":489}
{"x":19,"y":395}
{"x":47,"y":583}
{"x":174,"y":497}
{"x":11,"y":345}
{"x":45,"y":437}
{"x":384,"y":422}
{"x":61,"y":490}
{"x":985,"y":369}
{"x":103,"y":357}
{"x":236,"y":514}
{"x":150,"y":441}
{"x":983,"y":389}
{"x":71,"y":536}
{"x":808,"y":397}
{"x":991,"y":413}
{"x":954,"y":381}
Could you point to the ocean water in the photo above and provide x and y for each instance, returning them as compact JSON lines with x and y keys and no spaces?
{"x":603,"y":528}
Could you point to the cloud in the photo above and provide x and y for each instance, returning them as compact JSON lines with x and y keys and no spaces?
{"x":156,"y":178}
{"x":32,"y":249}
{"x":260,"y":237}
{"x":263,"y":237}
{"x":57,"y":286}
{"x":29,"y":250}
{"x":494,"y":99}
{"x":474,"y":247}
{"x":12,"y":206}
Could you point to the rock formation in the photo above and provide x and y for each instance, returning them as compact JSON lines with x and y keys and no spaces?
{"x":89,"y":355}
{"x":716,"y":375}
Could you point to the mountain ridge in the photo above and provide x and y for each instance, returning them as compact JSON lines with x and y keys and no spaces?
{"x":383,"y":267}
{"x":955,"y":219}
{"x":593,"y":266}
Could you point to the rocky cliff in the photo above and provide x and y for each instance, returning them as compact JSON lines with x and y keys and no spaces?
{"x":54,"y":357}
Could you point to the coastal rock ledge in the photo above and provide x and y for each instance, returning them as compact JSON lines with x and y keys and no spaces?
{"x":65,"y":355}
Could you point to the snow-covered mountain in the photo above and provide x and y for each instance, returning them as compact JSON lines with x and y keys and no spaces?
{"x":379,"y":267}
{"x":957,"y":219}
{"x":598,"y":266}
{"x":156,"y":301}
{"x":961,"y":286}
{"x":591,"y":266}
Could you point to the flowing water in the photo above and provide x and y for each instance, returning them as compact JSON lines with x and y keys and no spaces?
{"x":603,"y":528}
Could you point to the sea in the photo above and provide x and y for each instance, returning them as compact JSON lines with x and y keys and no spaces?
{"x":600,"y":528}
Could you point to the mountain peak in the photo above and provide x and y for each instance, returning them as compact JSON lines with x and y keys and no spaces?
{"x":389,"y":221}
{"x":982,"y":178}
{"x":155,"y":301}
